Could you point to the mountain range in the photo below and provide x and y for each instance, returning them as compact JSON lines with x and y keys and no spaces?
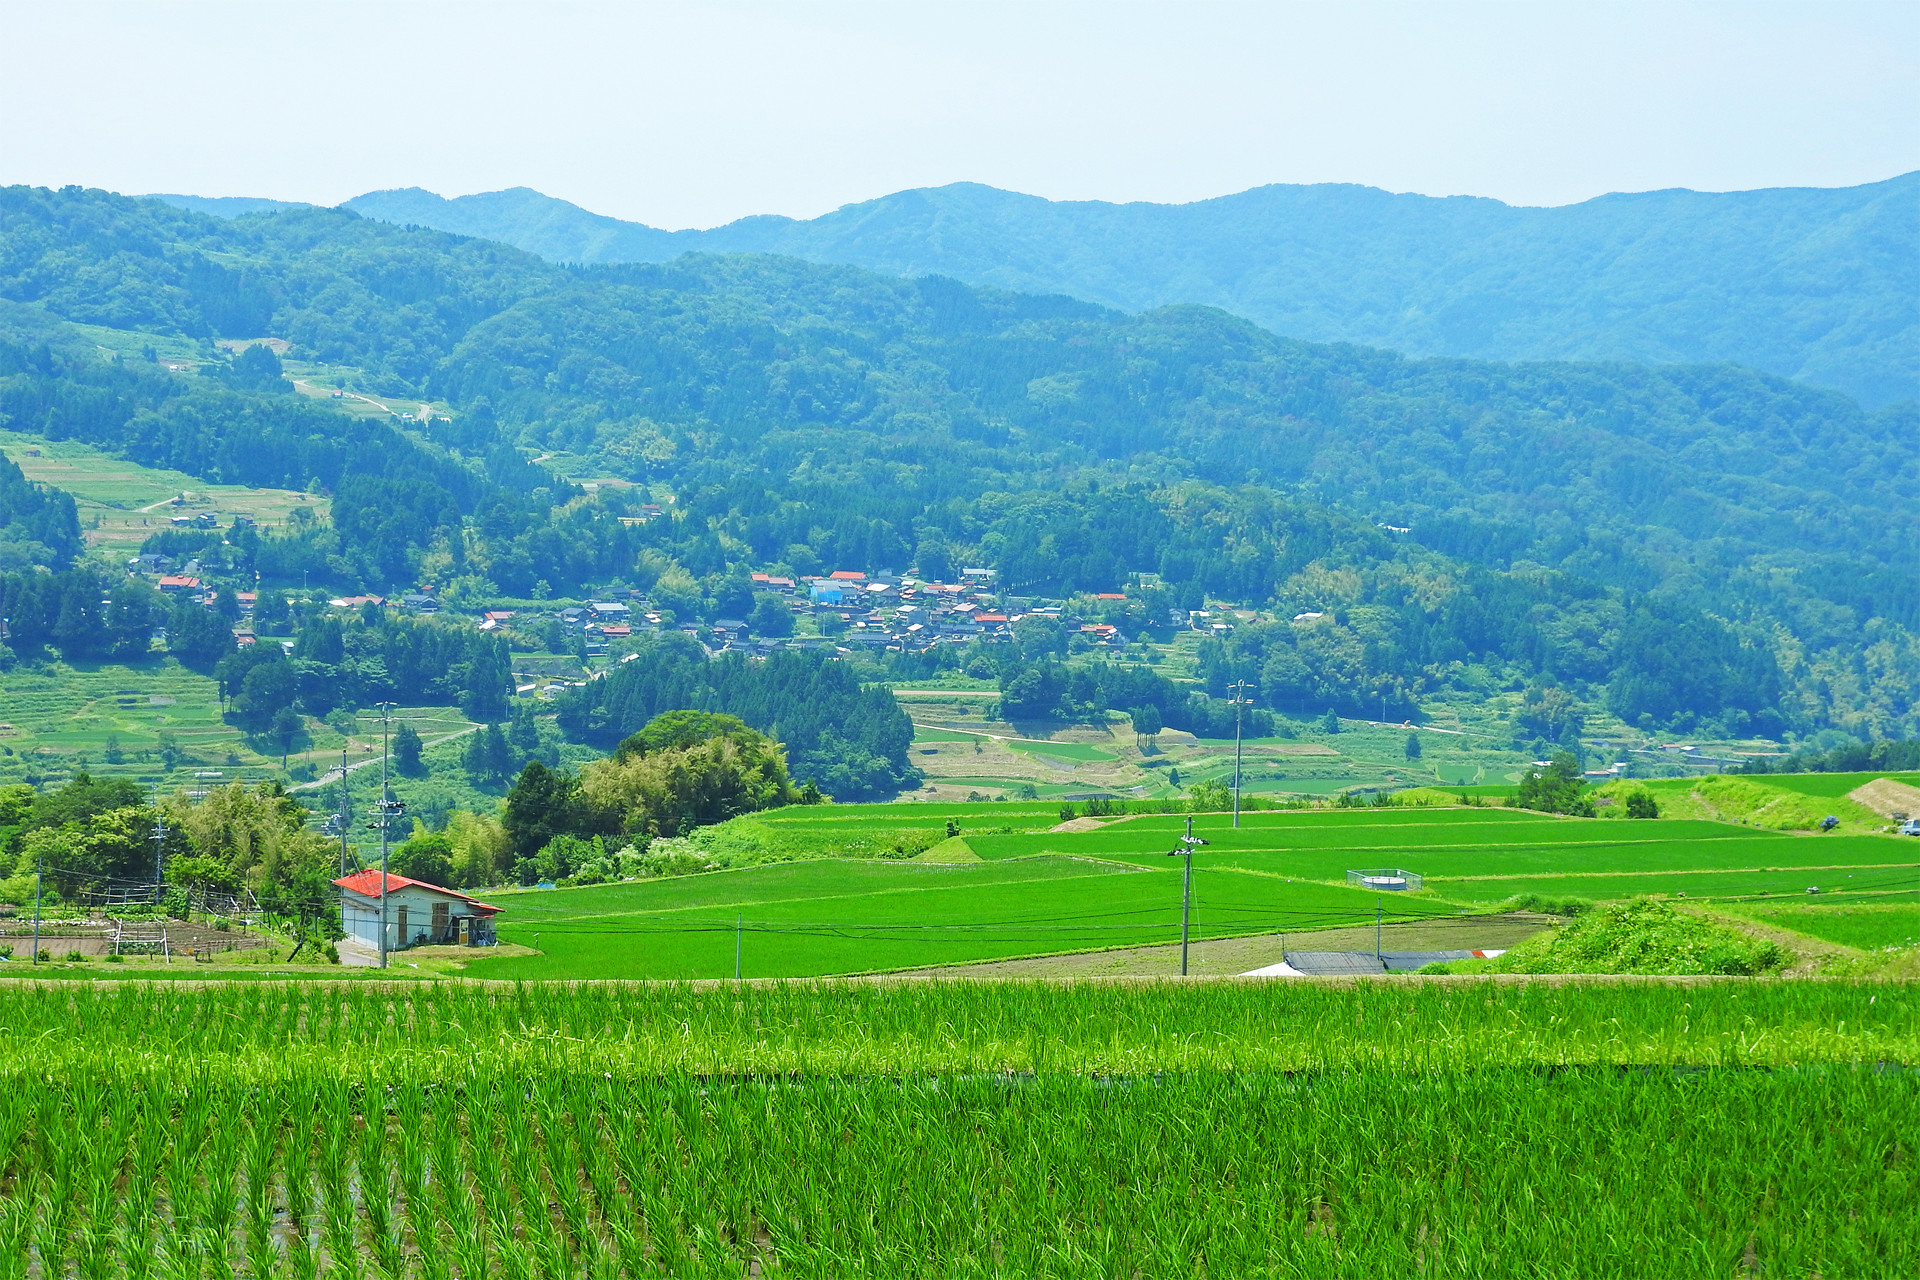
{"x":1819,"y":285}
{"x":1689,"y":545}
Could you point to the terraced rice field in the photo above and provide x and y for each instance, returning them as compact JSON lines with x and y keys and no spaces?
{"x":55,"y":717}
{"x":1870,"y":926}
{"x":122,"y":503}
{"x":1490,"y":854}
{"x":826,"y":917}
{"x":1033,"y":890}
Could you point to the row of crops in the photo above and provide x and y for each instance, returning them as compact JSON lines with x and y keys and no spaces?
{"x":832,"y":1129}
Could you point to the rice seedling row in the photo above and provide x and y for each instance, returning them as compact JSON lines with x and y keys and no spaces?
{"x":959,"y":1129}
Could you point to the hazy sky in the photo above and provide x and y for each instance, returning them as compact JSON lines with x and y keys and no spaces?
{"x":690,"y":114}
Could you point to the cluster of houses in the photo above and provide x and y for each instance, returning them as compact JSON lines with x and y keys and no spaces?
{"x":852,"y":609}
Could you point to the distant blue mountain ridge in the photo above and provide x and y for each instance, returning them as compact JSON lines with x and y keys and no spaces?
{"x":1817,"y":284}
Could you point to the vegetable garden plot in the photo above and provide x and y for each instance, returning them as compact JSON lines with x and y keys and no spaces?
{"x":960,"y":1129}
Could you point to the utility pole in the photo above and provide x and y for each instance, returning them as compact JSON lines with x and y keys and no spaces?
{"x":736,"y":947}
{"x":1239,"y":701}
{"x":1376,"y":928}
{"x":386,"y":809}
{"x":159,"y":845}
{"x":346,"y":814}
{"x":1188,"y":842}
{"x":37,"y":873}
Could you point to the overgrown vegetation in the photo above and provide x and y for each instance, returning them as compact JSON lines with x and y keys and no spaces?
{"x":1646,"y":936}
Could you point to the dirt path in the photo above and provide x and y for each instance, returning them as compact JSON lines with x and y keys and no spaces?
{"x":1230,"y":957}
{"x":333,"y":775}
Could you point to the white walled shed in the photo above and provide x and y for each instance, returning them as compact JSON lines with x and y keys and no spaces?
{"x":416,"y":913}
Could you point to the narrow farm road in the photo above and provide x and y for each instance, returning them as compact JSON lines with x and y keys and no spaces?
{"x":333,"y":775}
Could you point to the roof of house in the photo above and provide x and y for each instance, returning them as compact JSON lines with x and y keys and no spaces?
{"x":367,"y":884}
{"x":847,"y":575}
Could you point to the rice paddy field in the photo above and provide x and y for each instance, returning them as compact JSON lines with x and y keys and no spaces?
{"x":1010,"y":885}
{"x":828,"y":917}
{"x":121,"y":504}
{"x":65,"y":717}
{"x":1453,"y":1128}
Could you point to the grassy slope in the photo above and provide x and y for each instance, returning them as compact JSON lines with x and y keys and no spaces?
{"x":1795,"y":802}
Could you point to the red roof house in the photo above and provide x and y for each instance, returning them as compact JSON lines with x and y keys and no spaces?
{"x":414,"y":912}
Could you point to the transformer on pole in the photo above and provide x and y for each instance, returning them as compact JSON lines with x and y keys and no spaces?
{"x":1188,"y":843}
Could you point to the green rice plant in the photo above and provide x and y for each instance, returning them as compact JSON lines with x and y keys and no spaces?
{"x":296,"y":1177}
{"x":58,"y":1150}
{"x":337,"y":1123}
{"x":262,"y":1149}
{"x":219,"y":1201}
{"x":411,"y":1141}
{"x":179,"y":1255}
{"x":554,"y":1106}
{"x":613,"y":1208}
{"x":545,"y":1253}
{"x":16,"y":1182}
{"x":376,"y":1185}
{"x":1450,"y":1128}
{"x":452,"y":1193}
{"x":489,"y":1178}
{"x":20,"y":1221}
{"x":107,"y":1123}
{"x":152,"y":1139}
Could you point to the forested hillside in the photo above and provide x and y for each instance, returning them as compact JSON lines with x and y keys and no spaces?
{"x":1688,"y":545}
{"x":1817,"y":285}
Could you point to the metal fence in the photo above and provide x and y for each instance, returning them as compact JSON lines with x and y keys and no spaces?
{"x":1386,"y":879}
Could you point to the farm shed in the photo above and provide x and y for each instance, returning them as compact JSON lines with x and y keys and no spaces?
{"x":417,"y":913}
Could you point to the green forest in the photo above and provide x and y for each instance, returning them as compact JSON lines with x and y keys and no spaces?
{"x":1687,"y":546}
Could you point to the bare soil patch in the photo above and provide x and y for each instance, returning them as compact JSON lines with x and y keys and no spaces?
{"x":1888,"y":798}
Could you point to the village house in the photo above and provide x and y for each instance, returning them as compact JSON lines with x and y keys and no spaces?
{"x":417,"y":913}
